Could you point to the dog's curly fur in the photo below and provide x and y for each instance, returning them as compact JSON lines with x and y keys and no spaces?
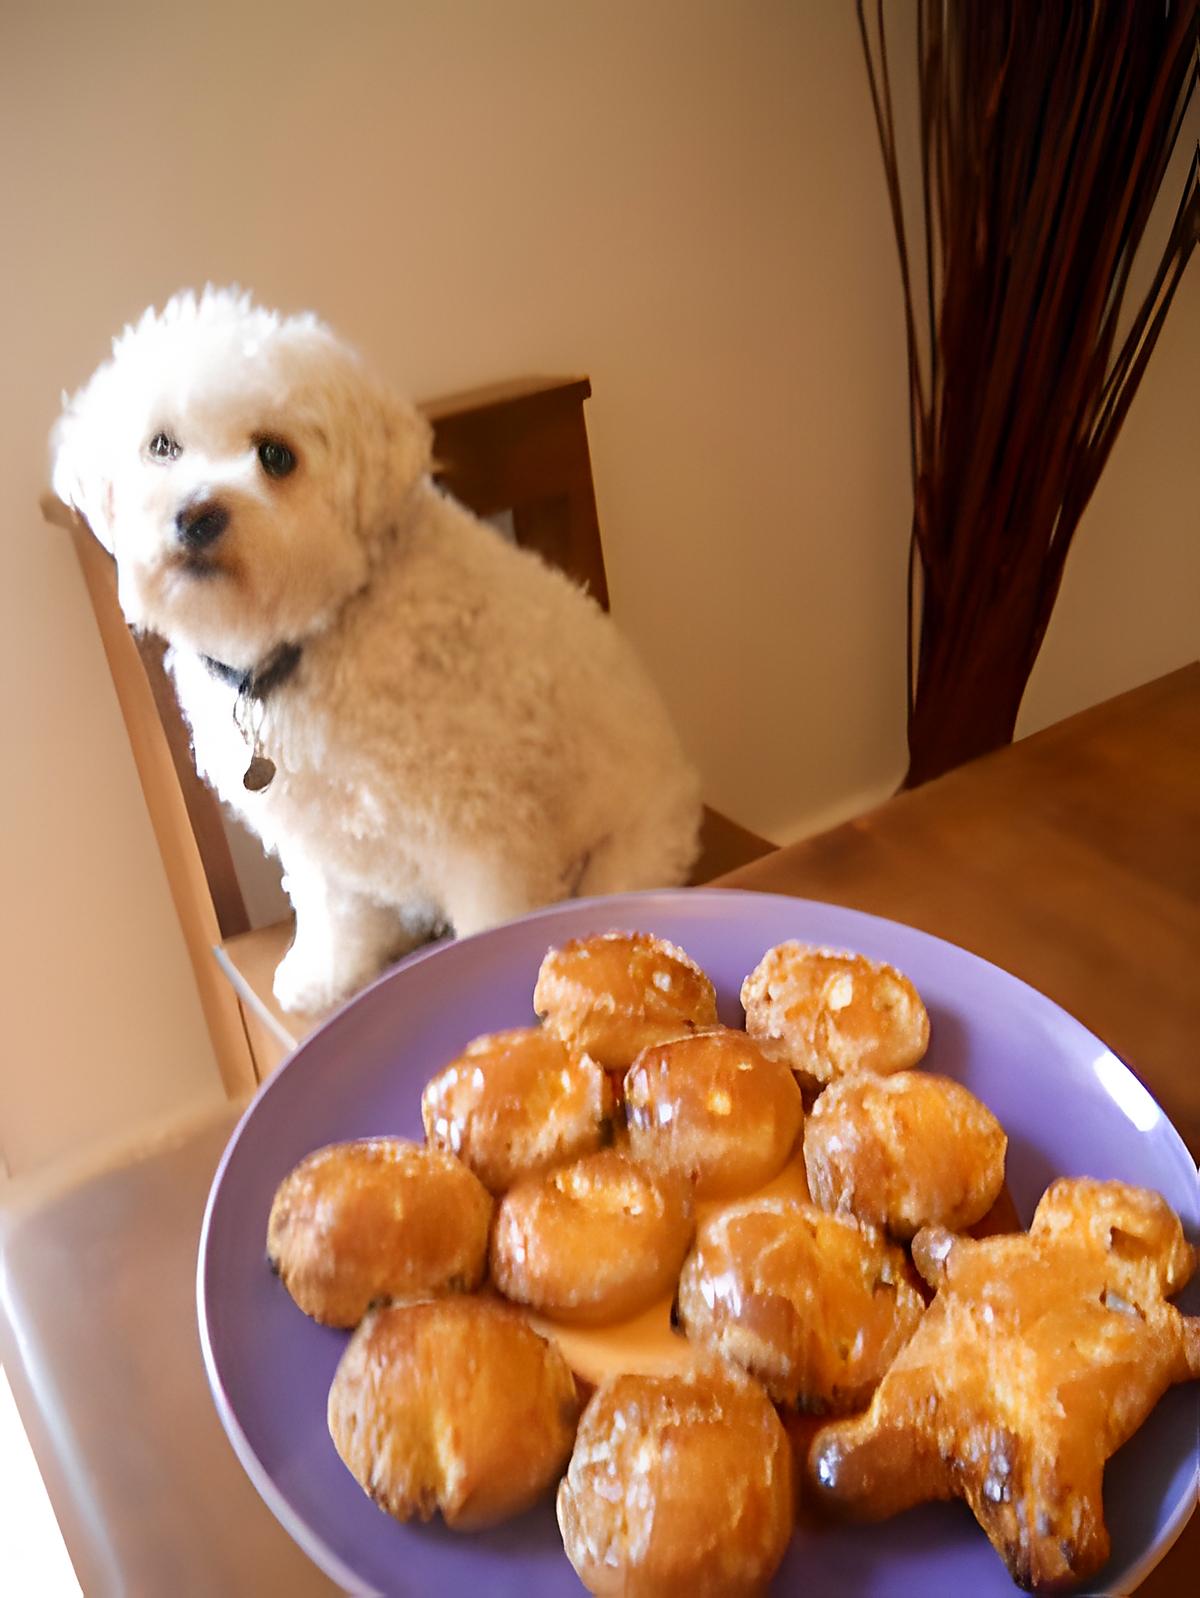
{"x":465,"y":735}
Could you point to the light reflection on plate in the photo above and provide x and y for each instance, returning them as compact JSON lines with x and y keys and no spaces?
{"x":1069,"y":1105}
{"x":1125,"y":1090}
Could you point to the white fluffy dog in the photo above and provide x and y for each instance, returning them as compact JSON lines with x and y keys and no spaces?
{"x":430,"y":727}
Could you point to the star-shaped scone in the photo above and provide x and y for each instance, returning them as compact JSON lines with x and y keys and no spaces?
{"x":1041,"y":1353}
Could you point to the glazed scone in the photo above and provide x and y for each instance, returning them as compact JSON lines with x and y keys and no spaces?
{"x":453,"y":1405}
{"x":815,"y":1306}
{"x":515,"y":1103}
{"x":612,"y":994}
{"x":714,"y":1107}
{"x":382,"y":1218}
{"x":678,"y":1484}
{"x":826,"y":1013}
{"x":904,"y":1151}
{"x":593,"y":1242}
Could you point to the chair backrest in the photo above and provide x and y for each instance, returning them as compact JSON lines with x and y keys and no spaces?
{"x":521,"y":449}
{"x":517,"y":451}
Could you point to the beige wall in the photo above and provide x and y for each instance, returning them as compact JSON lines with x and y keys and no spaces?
{"x":682,"y":200}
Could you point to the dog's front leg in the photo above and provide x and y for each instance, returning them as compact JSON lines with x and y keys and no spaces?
{"x":343,"y":940}
{"x":481,"y":890}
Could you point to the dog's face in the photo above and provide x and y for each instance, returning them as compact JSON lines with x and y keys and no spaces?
{"x":242,"y":468}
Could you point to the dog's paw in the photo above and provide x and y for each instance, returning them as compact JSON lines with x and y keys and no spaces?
{"x":304,"y":987}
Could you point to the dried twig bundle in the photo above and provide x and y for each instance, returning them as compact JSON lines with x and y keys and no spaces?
{"x":1046,"y":130}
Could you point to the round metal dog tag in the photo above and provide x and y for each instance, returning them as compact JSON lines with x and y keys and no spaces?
{"x":258,"y":774}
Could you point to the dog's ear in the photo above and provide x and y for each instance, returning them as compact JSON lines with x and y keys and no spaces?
{"x":393,"y":444}
{"x":78,"y":457}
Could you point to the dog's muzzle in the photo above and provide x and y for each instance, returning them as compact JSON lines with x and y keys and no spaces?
{"x":199,"y":524}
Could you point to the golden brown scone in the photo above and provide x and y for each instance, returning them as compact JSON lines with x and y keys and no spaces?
{"x":515,"y":1103}
{"x":453,"y":1405}
{"x":612,"y":994}
{"x":713,"y":1106}
{"x":827,"y":1013}
{"x":904,"y":1151}
{"x":678,"y":1484}
{"x":592,"y":1242}
{"x":1039,"y":1356}
{"x":815,"y":1305}
{"x":379,"y":1219}
{"x":1138,"y":1227}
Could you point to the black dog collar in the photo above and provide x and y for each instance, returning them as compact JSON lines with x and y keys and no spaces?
{"x":259,"y":681}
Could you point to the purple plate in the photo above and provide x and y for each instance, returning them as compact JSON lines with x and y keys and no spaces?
{"x":1070,"y":1107}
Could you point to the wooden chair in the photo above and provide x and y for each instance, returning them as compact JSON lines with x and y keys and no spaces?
{"x":515,"y":452}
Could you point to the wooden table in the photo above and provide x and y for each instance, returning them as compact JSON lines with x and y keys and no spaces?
{"x":1072,"y":859}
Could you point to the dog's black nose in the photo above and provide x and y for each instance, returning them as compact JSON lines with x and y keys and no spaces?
{"x":201,"y":523}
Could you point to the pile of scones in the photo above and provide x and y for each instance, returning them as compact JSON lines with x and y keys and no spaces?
{"x":865,"y":1327}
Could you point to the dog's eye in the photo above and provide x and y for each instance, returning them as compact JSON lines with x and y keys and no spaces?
{"x":276,"y":459}
{"x":162,"y":447}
